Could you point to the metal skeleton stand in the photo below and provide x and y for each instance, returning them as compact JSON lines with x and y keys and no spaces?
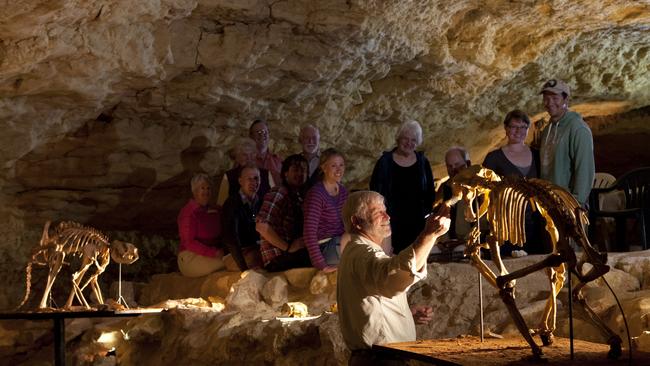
{"x":480,"y":301}
{"x":571,"y":316}
{"x":480,"y":280}
{"x":50,"y":299}
{"x":120,"y":299}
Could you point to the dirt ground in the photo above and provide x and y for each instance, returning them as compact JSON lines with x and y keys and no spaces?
{"x":469,"y":350}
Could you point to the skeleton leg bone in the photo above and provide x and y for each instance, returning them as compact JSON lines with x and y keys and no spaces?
{"x":477,"y":262}
{"x":101,"y":264}
{"x":547,"y":324}
{"x":597,"y":271}
{"x":507,"y":295}
{"x":592,"y":254}
{"x":92,"y":281}
{"x":474,"y":251}
{"x":553,"y":260}
{"x":496,"y":259}
{"x":613,"y":339}
{"x":76,"y":280}
{"x":94,"y":286}
{"x":96,"y":290}
{"x":509,"y":301}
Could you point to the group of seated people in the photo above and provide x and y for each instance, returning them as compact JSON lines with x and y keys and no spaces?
{"x":280,"y":214}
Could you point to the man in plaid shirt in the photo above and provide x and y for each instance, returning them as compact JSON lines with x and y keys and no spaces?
{"x":279,"y":221}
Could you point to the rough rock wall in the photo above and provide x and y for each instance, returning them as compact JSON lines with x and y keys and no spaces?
{"x":108,"y":107}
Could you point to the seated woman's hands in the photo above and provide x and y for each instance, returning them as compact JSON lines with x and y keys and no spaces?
{"x":296,"y":245}
{"x":329,"y":269}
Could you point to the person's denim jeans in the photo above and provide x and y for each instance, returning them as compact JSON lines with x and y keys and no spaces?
{"x":331,"y":251}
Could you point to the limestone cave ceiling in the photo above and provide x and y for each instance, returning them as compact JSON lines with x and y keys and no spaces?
{"x":109,"y":106}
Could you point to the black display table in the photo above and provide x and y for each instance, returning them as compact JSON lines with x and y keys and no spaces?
{"x":59,"y":317}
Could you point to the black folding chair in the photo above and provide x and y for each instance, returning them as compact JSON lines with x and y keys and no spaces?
{"x":635,"y":185}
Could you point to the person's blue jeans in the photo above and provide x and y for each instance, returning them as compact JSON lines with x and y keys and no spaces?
{"x":331,"y":251}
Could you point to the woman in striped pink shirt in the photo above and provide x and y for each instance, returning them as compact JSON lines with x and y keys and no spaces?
{"x":323,"y":226}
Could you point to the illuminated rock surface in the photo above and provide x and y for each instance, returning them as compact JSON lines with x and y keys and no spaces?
{"x":203,"y":328}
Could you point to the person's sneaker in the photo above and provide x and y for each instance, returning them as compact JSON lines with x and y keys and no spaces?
{"x":518,"y":253}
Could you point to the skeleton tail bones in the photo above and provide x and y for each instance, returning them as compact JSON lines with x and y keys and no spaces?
{"x":28,"y":268}
{"x":28,"y":285}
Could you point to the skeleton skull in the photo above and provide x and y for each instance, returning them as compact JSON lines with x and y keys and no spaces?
{"x":469,"y":183}
{"x":124,"y":253}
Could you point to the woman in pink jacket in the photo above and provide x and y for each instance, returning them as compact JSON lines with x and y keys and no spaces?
{"x":199,"y":226}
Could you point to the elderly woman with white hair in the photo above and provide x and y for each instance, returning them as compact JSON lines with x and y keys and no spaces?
{"x":403,"y":176}
{"x":200,"y":251}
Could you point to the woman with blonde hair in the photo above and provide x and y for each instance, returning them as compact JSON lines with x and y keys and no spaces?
{"x":200,"y":250}
{"x":323,"y":225}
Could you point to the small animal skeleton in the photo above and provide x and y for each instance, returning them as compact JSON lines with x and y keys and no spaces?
{"x":92,"y":246}
{"x":504,"y":203}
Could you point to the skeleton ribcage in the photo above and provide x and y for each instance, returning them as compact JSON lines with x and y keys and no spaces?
{"x":510,"y":198}
{"x":560,"y":204}
{"x":507,"y":213}
{"x":73,"y":237}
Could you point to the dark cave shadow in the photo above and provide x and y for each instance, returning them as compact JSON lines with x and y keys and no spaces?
{"x":150,"y":209}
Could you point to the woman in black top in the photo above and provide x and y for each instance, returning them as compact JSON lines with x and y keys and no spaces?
{"x":403,"y":176}
{"x":518,"y":159}
{"x":515,"y":158}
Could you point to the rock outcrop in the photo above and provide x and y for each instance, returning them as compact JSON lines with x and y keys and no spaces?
{"x":233,"y":318}
{"x":107,"y":108}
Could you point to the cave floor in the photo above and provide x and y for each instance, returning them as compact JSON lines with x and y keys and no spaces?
{"x":469,"y":350}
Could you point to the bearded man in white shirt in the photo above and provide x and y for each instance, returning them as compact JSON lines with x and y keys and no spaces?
{"x":372,"y":287}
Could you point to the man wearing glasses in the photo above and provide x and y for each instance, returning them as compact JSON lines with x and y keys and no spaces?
{"x":259,"y":131}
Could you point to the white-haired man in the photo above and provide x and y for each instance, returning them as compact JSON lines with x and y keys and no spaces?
{"x":309,"y":139}
{"x":372,"y":288}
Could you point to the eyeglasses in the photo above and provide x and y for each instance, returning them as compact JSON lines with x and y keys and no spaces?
{"x":262,"y":132}
{"x":517,"y":128}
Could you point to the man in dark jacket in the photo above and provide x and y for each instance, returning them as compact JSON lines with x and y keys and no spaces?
{"x":239,"y":211}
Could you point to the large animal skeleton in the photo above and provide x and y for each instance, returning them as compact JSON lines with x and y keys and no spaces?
{"x":504,"y":203}
{"x":92,"y":246}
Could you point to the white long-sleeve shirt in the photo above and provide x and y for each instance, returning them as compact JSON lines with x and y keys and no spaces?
{"x":371,"y":294}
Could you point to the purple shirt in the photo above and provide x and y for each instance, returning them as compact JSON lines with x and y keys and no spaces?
{"x":200,"y":229}
{"x":322,"y":214}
